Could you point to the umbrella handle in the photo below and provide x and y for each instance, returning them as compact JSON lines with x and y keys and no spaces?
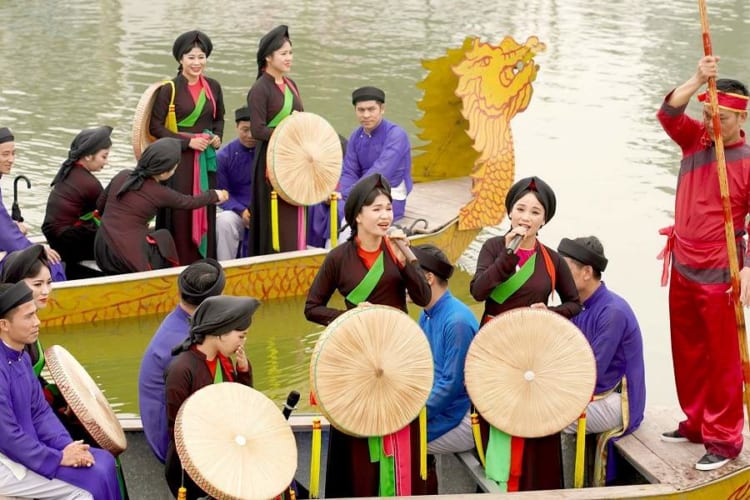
{"x":15,"y":185}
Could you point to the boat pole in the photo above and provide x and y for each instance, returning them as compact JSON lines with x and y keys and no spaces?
{"x":721,"y":164}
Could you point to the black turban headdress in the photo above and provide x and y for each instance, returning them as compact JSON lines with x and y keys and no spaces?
{"x":6,"y":135}
{"x":87,"y":142}
{"x":359,"y":194}
{"x":368,"y":94}
{"x":12,"y":296}
{"x":432,"y":259}
{"x":242,"y":114}
{"x":159,"y":157}
{"x":270,"y":43}
{"x":185,"y":43}
{"x":19,"y":264}
{"x":582,"y":253}
{"x":543,"y":192}
{"x":203,"y":267}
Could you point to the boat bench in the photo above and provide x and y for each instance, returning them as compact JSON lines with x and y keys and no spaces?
{"x":474,"y":468}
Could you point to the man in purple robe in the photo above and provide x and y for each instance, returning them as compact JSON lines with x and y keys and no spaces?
{"x":38,"y":458}
{"x":612,"y":329}
{"x":200,"y":280}
{"x":377,"y":146}
{"x":12,"y":233}
{"x":235,"y":174}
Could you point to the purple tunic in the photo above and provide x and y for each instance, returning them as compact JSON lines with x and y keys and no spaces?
{"x":612,"y":330}
{"x":31,"y":435}
{"x":151,"y":386}
{"x":235,"y":174}
{"x":12,"y":239}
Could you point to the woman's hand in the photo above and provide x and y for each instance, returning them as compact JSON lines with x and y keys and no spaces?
{"x":243,"y":365}
{"x":516,"y":231}
{"x":399,"y":238}
{"x":223,"y":195}
{"x":215,"y":142}
{"x":52,"y":254}
{"x":199,"y":143}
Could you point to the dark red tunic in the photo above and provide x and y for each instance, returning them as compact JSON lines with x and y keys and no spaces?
{"x":542,"y":460}
{"x":349,"y":472}
{"x":121,"y":240}
{"x":179,"y":222}
{"x":265,"y":99}
{"x":69,"y":199}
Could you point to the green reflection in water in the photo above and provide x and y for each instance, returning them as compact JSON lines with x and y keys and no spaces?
{"x":279,"y":345}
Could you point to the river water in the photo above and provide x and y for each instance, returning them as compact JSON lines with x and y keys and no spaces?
{"x":590,"y":130}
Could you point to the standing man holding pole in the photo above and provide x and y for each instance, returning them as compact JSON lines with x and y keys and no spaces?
{"x":705,"y":314}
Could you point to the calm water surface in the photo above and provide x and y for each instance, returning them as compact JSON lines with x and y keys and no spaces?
{"x":589,"y":131}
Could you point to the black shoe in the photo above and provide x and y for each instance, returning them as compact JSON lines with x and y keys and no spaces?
{"x":673,"y":437}
{"x":711,"y":461}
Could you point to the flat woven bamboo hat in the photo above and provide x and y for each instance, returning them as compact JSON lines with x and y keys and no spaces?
{"x":234,"y":442}
{"x":140,"y":137}
{"x":371,"y":371}
{"x":530,"y":372}
{"x":86,"y":400}
{"x":304,"y":159}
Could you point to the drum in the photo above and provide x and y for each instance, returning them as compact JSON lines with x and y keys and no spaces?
{"x":530,"y":372}
{"x":86,"y":400}
{"x":234,"y":442}
{"x":140,"y":136}
{"x":371,"y":371}
{"x":304,"y":159}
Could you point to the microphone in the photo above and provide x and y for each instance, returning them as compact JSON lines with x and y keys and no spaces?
{"x":513,"y":245}
{"x":291,"y":403}
{"x":405,"y":249}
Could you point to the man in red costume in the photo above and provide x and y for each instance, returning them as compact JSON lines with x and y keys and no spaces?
{"x":705,"y":347}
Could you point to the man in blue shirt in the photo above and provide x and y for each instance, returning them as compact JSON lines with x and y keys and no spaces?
{"x":234,"y":173}
{"x":450,"y":327}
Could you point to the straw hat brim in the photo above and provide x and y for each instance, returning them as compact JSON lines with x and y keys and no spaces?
{"x":140,"y":136}
{"x":235,"y":443}
{"x":371,"y":371}
{"x":304,"y":159}
{"x":530,"y":372}
{"x":86,"y":400}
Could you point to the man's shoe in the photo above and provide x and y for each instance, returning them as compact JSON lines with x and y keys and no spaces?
{"x":673,"y":437}
{"x":711,"y":461}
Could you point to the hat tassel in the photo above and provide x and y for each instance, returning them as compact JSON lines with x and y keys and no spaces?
{"x":423,"y":443}
{"x":477,"y":431}
{"x":275,"y":221}
{"x":334,"y":214}
{"x":580,"y":451}
{"x":315,"y":459}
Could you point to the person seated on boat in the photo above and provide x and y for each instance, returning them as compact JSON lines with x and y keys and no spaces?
{"x":235,"y":175}
{"x":124,"y":243}
{"x":450,"y":327}
{"x":376,"y":146}
{"x":612,"y":329}
{"x":366,"y":269}
{"x":12,"y":233}
{"x":218,"y":330}
{"x":319,"y":216}
{"x":526,"y":276}
{"x":38,"y":458}
{"x":200,"y":280}
{"x":71,"y":219}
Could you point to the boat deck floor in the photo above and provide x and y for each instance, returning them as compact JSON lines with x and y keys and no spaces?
{"x":437,"y":202}
{"x":672,"y":463}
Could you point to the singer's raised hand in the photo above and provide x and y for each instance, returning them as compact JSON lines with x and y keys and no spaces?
{"x":516,"y":231}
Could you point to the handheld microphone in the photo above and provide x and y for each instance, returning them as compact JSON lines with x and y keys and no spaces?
{"x":405,"y":249}
{"x":291,"y":403}
{"x":513,"y":245}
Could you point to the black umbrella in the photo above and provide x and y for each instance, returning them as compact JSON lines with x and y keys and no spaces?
{"x":15,"y":210}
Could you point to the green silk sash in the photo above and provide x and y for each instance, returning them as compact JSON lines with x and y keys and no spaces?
{"x":192,"y":118}
{"x":93,"y":215}
{"x":218,"y":376}
{"x":368,"y":283}
{"x":510,"y":286}
{"x":387,"y":487}
{"x":39,"y":365}
{"x":498,"y":457}
{"x":285,"y":110}
{"x":206,"y":163}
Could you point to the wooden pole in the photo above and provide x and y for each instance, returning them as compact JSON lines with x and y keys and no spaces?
{"x":721,"y":164}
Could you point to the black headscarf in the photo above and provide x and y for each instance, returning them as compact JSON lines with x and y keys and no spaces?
{"x":87,"y":142}
{"x":368,"y":94}
{"x":543,"y":192}
{"x":194,"y":272}
{"x":270,"y":43}
{"x":159,"y":157}
{"x":185,"y":43}
{"x":242,"y":114}
{"x":432,"y":259}
{"x":6,"y":135}
{"x":13,"y":295}
{"x":19,"y":264}
{"x":577,"y":250}
{"x":358,"y":195}
{"x":219,"y":315}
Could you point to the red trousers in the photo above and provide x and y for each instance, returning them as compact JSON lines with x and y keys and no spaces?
{"x":705,"y":352}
